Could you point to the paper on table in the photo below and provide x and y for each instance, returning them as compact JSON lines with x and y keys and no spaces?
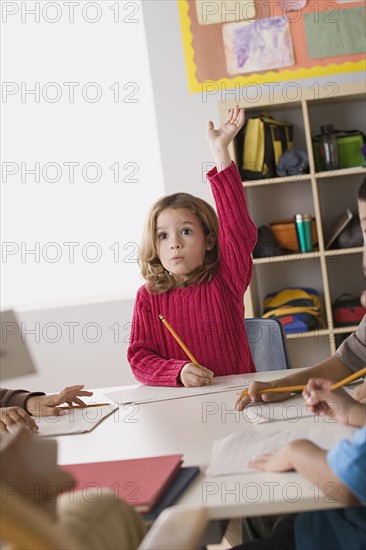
{"x":75,"y":421}
{"x":291,"y":409}
{"x":231,"y":454}
{"x":146,"y":394}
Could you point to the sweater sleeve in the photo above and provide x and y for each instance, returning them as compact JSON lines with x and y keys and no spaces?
{"x":237,"y":231}
{"x":145,"y":353}
{"x":15,"y":398}
{"x":353,"y":350}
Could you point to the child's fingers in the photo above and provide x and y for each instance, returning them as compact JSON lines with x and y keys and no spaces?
{"x":229,"y":116}
{"x":242,"y":402}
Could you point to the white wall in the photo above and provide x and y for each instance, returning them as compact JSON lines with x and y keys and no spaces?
{"x":180,"y":133}
{"x":69,"y":237}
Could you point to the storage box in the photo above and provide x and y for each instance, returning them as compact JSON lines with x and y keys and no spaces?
{"x":349,"y":151}
{"x":284,"y":232}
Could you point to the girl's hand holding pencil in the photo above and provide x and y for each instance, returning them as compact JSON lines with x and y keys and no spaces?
{"x":191,"y":376}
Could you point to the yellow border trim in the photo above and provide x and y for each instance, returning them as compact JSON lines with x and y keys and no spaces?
{"x":194,"y":86}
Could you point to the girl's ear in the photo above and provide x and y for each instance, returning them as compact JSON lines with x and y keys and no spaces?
{"x":210,"y":241}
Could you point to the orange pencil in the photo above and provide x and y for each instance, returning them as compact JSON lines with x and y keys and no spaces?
{"x":335,"y":386}
{"x":182,"y":345}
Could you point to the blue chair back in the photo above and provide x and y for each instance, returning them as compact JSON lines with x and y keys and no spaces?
{"x":268,"y":345}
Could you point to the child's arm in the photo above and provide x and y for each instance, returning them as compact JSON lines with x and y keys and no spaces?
{"x":237,"y":232}
{"x":310,"y":461}
{"x":314,"y":463}
{"x":220,"y":139}
{"x":332,"y":368}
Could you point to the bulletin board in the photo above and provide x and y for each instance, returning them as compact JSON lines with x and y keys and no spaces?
{"x":318,"y":38}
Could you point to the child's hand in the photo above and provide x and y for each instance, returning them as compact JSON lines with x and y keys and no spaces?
{"x":47,"y":405}
{"x":359,"y":393}
{"x":10,"y":416}
{"x":192,"y":376}
{"x":253,"y":395}
{"x":220,"y":139}
{"x":337,"y":404}
{"x":274,"y":461}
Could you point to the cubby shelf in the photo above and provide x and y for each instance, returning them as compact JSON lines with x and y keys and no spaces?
{"x":324,"y":195}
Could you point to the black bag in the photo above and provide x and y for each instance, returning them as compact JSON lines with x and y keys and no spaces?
{"x":260,"y":146}
{"x":347,"y":310}
{"x":266,"y":245}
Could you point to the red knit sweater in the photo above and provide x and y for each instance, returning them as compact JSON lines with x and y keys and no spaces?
{"x":209,"y":317}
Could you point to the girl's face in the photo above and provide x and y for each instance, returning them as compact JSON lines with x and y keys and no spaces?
{"x":181,"y":242}
{"x":362,"y":214}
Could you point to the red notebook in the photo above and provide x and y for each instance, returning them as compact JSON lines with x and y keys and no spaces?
{"x":140,"y":482}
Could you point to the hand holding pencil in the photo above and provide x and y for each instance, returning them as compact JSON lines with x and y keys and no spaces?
{"x":192,"y":374}
{"x":271,"y":391}
{"x":254,"y":394}
{"x":321,"y":398}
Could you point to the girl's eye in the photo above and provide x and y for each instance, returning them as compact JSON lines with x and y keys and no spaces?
{"x":186,"y":231}
{"x":162,"y":236}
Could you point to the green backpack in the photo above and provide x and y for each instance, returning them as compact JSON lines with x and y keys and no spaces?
{"x":260,"y":146}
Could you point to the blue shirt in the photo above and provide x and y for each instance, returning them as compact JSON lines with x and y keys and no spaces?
{"x":345,"y":528}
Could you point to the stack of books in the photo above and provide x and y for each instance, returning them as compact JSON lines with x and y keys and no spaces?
{"x":147,"y":484}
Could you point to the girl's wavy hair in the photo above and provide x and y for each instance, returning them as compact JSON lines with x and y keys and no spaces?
{"x":157,"y":278}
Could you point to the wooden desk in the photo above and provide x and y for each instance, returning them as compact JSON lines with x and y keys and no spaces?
{"x":189,"y":426}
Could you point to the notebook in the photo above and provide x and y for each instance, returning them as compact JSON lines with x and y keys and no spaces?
{"x":74,"y":421}
{"x":141,"y":482}
{"x":173,"y":492}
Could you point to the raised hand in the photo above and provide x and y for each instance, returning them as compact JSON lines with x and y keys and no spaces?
{"x":47,"y":405}
{"x":220,"y":138}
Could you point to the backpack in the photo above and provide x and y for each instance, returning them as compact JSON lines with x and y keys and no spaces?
{"x":347,"y":310}
{"x":297,"y":309}
{"x":260,"y":146}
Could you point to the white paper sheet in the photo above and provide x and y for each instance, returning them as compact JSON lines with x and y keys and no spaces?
{"x":291,"y":409}
{"x":147,"y":394}
{"x":75,"y":421}
{"x":231,"y":454}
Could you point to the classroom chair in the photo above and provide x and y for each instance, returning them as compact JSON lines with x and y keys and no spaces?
{"x":268,"y":344}
{"x":26,"y":527}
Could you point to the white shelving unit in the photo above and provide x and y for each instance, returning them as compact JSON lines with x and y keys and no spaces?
{"x":325,"y":195}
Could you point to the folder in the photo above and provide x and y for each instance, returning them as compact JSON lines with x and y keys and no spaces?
{"x":140,"y":482}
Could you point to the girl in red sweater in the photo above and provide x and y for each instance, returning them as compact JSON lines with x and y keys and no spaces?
{"x":197,"y":267}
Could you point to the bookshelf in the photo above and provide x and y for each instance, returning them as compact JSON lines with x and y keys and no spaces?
{"x":324,"y":195}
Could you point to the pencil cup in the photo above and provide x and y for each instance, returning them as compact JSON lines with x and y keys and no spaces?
{"x":303,"y":224}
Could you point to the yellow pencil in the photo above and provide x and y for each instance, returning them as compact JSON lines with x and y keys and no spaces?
{"x":182,"y":345}
{"x":349,"y":379}
{"x":336,"y":386}
{"x":69,"y":407}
